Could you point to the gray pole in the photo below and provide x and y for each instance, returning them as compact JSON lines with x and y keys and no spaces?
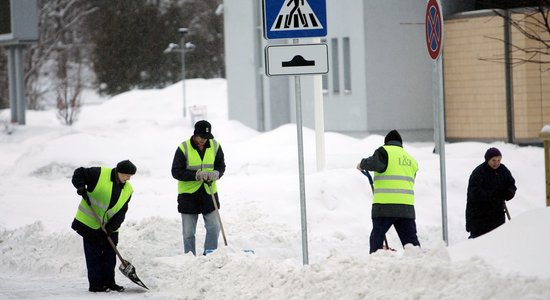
{"x":298,"y":95}
{"x":440,"y":113}
{"x":182,"y":49}
{"x":12,"y":86}
{"x":435,"y":86}
{"x":20,"y":85}
{"x":443,"y":171}
{"x":509,"y":77}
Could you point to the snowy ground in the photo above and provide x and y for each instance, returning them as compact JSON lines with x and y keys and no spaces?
{"x":42,"y":258}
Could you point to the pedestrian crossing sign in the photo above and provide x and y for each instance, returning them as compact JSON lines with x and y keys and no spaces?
{"x":289,"y":19}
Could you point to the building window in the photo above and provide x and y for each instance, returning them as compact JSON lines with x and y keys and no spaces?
{"x":335,"y":66}
{"x":259,"y":47}
{"x":347,"y":65}
{"x":324,"y":76}
{"x":325,"y":83}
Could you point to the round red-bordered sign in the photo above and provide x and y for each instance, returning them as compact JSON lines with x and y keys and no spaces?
{"x":434,"y":29}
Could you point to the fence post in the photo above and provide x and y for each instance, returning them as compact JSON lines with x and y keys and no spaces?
{"x":545,"y":137}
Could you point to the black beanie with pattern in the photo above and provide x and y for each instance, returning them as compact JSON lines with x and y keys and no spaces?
{"x":126,"y":167}
{"x":393,"y":136}
{"x":492,"y":152}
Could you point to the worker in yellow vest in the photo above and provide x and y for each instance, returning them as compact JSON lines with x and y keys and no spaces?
{"x":197,"y":162}
{"x":106,"y":191}
{"x":393,"y":201}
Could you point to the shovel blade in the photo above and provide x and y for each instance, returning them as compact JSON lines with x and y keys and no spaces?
{"x":129,"y":271}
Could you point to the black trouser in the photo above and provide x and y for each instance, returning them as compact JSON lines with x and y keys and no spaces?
{"x":100,"y":261}
{"x":406,"y":230}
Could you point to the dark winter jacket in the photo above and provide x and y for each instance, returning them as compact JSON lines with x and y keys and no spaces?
{"x":487,"y":190}
{"x":89,"y":177}
{"x":378,"y":162}
{"x":199,"y":201}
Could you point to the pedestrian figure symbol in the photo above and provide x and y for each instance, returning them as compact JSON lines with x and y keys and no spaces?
{"x":291,"y":19}
{"x":296,"y":15}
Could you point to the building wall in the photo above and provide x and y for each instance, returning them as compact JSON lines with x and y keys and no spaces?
{"x":475,"y":91}
{"x":390,"y":82}
{"x":531,"y":89}
{"x":242,"y":53}
{"x":345,"y":88}
{"x":398,"y":69}
{"x":476,"y":87}
{"x":377,"y":53}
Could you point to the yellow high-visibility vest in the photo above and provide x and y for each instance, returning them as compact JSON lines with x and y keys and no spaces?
{"x":396,"y":184}
{"x":100,"y":198}
{"x":194,"y":162}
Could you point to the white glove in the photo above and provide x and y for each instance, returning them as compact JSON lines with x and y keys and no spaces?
{"x":201,"y":175}
{"x":211,"y":176}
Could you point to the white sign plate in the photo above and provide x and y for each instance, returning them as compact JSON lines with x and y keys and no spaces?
{"x":305,"y":59}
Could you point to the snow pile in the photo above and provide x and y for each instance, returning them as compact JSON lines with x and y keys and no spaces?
{"x":42,"y":258}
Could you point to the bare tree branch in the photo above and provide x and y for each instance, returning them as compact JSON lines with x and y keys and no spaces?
{"x":532,"y":23}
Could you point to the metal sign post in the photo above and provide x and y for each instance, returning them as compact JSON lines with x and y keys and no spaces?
{"x":434,"y":42}
{"x":291,"y":19}
{"x":298,"y":96}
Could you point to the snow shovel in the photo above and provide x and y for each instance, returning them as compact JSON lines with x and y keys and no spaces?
{"x":125,"y":267}
{"x":506,"y":211}
{"x":209,"y":183}
{"x":216,"y":210}
{"x":366,"y":173}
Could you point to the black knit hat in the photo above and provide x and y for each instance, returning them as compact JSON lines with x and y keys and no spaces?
{"x":126,"y":167}
{"x":492,"y":152}
{"x":393,"y":136}
{"x":203,"y":129}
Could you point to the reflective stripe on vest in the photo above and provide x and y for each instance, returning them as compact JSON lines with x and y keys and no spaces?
{"x":194,"y":162}
{"x":396,"y":184}
{"x":100,"y":198}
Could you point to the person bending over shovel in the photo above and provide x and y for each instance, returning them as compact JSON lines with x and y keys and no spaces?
{"x":107,"y":191}
{"x":199,"y":162}
{"x":393,"y":201}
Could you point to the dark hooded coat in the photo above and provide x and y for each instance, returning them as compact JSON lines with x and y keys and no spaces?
{"x":488,"y":188}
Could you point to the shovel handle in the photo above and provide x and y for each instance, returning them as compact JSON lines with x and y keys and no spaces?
{"x":366,"y":173}
{"x":209,"y":184}
{"x":506,"y":211}
{"x":125,"y":266}
{"x":122,"y":261}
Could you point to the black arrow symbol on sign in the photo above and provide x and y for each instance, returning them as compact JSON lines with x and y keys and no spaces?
{"x":298,"y":61}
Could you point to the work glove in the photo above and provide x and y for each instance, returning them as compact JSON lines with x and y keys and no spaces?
{"x":200,"y":175}
{"x":496,"y":195}
{"x":109,"y":229}
{"x":211,"y":176}
{"x":509,"y":194}
{"x":84,"y":193}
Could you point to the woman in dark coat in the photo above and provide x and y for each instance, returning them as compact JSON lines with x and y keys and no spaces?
{"x":491,"y":183}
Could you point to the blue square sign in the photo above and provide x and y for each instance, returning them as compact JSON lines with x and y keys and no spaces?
{"x":289,"y":19}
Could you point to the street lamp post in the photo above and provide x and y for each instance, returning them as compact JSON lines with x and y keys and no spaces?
{"x":183,"y":32}
{"x":182,"y":48}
